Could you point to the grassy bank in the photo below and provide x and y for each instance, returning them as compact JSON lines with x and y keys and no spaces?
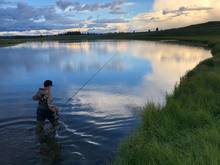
{"x":9,"y":42}
{"x":187,"y":129}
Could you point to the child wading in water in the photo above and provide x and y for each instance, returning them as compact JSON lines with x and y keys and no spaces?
{"x":46,"y":109}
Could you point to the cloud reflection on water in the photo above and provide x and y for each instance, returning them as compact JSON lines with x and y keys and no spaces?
{"x":140,"y":71}
{"x":169,"y":62}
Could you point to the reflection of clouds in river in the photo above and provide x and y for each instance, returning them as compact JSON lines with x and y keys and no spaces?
{"x":109,"y":103}
{"x":51,"y":45}
{"x":169,"y":63}
{"x":28,"y":58}
{"x":123,"y":101}
{"x":146,"y":71}
{"x":68,"y":56}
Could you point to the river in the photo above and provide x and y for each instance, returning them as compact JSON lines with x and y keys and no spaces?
{"x":101,"y":115}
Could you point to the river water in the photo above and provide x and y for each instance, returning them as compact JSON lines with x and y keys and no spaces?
{"x":96,"y":120}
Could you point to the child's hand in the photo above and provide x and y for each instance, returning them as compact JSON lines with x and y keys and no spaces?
{"x":54,"y":109}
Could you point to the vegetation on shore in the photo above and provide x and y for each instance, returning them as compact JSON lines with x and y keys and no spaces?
{"x":187,"y":129}
{"x":199,"y":33}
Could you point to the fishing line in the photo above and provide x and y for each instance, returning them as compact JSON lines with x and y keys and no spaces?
{"x":91,"y":78}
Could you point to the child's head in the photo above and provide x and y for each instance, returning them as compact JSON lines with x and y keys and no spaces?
{"x":48,"y":83}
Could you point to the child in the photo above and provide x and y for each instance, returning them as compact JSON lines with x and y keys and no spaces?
{"x":46,"y":109}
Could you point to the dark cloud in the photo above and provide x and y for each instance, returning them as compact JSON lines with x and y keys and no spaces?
{"x":63,"y":5}
{"x":101,"y":25}
{"x":102,"y":30}
{"x":117,"y":20}
{"x":96,"y":25}
{"x":150,"y":18}
{"x":178,"y":14}
{"x":183,"y":9}
{"x":17,"y":17}
{"x":115,"y":7}
{"x":25,"y":17}
{"x":89,"y":17}
{"x":117,"y":12}
{"x":5,"y":2}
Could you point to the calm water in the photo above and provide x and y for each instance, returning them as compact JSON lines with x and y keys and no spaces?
{"x":94,"y":122}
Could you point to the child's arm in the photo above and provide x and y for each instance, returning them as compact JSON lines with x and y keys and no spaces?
{"x":52,"y":107}
{"x":36,"y":96}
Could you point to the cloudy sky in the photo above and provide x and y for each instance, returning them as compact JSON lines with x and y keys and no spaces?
{"x":33,"y":17}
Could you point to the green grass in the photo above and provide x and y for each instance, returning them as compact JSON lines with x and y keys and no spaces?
{"x":187,"y":129}
{"x":9,"y":42}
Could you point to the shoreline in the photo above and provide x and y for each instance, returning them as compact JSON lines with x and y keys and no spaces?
{"x":186,"y":130}
{"x":11,"y":42}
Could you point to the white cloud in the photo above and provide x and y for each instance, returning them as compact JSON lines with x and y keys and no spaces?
{"x":115,"y":6}
{"x":22,"y":18}
{"x":177,"y":13}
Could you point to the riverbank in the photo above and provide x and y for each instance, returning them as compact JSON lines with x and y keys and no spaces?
{"x":9,"y":42}
{"x":187,"y":129}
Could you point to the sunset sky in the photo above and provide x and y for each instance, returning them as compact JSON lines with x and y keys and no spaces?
{"x":31,"y":17}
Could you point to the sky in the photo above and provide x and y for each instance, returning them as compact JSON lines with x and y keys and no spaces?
{"x":40,"y":17}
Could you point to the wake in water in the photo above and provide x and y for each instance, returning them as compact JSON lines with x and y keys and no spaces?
{"x":78,"y":134}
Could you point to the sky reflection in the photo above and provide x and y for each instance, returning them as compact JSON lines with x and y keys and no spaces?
{"x":139,"y":72}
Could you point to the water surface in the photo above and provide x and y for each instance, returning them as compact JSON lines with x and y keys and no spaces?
{"x":93,"y":122}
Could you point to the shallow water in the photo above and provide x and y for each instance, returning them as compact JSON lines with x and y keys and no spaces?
{"x":94,"y":121}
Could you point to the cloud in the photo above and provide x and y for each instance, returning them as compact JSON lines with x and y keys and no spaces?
{"x":117,"y":12}
{"x":117,"y":20}
{"x":115,"y":7}
{"x":106,"y":25}
{"x":89,"y":17}
{"x":185,"y":9}
{"x":176,"y":13}
{"x":5,"y":2}
{"x":23,"y":17}
{"x":95,"y":25}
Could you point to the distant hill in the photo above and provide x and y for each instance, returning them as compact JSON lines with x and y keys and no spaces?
{"x":208,"y":28}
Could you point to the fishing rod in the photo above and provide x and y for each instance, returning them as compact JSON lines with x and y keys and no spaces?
{"x":91,"y":78}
